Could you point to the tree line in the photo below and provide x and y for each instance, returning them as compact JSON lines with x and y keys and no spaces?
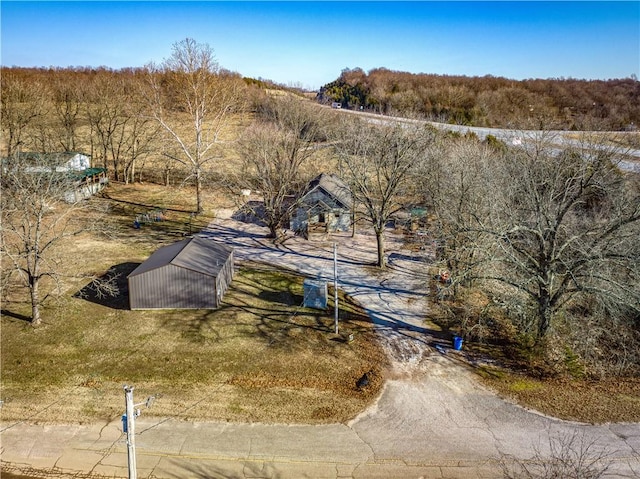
{"x":564,"y":104}
{"x":552,"y":236}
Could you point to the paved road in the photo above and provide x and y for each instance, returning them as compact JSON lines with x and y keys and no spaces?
{"x":432,"y":420}
{"x":629,"y":157}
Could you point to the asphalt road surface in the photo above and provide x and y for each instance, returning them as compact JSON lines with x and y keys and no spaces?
{"x":629,"y":158}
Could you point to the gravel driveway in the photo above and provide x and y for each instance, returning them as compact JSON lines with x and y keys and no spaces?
{"x":432,"y":411}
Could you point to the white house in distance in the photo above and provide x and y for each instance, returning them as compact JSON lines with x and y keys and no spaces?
{"x":87,"y":181}
{"x":66,"y":161}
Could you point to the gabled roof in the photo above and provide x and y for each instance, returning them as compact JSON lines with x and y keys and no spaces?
{"x":199,"y":254}
{"x":333,"y":186}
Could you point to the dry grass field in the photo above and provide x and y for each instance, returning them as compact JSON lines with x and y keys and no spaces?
{"x":596,"y":402}
{"x":260,"y":357}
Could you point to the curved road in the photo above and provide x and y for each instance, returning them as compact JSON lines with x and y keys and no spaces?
{"x":432,"y":420}
{"x":629,"y":157}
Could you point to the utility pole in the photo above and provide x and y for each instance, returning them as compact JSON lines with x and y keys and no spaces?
{"x":335,"y":284}
{"x":129,"y":422}
{"x":129,"y":427}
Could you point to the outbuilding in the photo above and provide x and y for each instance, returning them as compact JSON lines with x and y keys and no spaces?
{"x":191,"y":274}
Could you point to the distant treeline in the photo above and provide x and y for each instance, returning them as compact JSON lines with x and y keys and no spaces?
{"x":560,"y":103}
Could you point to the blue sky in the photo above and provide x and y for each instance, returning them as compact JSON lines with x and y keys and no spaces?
{"x":309,"y":43}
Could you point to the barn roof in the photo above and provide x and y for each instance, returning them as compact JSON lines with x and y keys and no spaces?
{"x":333,"y":186}
{"x":200,"y":254}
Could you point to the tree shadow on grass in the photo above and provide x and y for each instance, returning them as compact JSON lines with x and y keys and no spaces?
{"x":11,"y":314}
{"x":283,"y":297}
{"x":105,"y":194}
{"x":116,"y":278}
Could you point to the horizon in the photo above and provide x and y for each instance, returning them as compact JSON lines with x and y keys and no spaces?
{"x":308,"y":44}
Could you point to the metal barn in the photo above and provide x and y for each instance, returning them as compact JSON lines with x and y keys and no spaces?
{"x":191,"y":274}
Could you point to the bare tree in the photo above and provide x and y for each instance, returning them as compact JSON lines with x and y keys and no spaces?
{"x":35,"y":218}
{"x":24,"y":101}
{"x":191,"y":82}
{"x":68,"y":100}
{"x":138,"y":142}
{"x":456,"y":174}
{"x":106,"y":106}
{"x":377,"y":161}
{"x":570,"y":456}
{"x":275,"y":153}
{"x":121,"y":132}
{"x":564,"y":225}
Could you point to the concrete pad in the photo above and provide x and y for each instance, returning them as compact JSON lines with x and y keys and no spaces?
{"x":167,"y":438}
{"x":396,"y":471}
{"x":110,"y":471}
{"x":180,"y":468}
{"x":294,"y":470}
{"x":17,"y":442}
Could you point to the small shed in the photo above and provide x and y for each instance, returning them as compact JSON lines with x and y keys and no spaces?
{"x":325,"y":206}
{"x":191,"y":274}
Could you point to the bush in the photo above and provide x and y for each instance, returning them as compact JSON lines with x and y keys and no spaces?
{"x":570,"y":456}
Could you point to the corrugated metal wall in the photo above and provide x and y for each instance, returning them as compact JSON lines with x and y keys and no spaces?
{"x":224,"y":279}
{"x":172,"y":287}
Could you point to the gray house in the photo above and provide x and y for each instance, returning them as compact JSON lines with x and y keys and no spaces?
{"x":325,"y":207}
{"x":191,"y":274}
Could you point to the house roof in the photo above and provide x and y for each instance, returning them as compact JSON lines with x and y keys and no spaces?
{"x":333,"y":186}
{"x":200,"y":254}
{"x":35,"y":162}
{"x":89,"y":172}
{"x":57,"y":158}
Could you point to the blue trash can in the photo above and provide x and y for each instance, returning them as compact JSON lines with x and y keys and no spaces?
{"x":457,"y":343}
